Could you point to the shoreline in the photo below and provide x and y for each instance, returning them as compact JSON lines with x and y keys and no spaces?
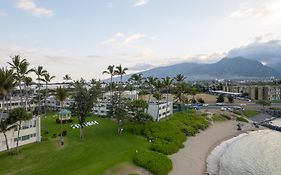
{"x":192,"y":159}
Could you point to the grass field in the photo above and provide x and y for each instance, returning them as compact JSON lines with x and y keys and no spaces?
{"x":101,"y":149}
{"x":250,"y":113}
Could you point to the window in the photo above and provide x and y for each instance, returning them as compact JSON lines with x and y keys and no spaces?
{"x":26,"y":137}
{"x":34,"y":124}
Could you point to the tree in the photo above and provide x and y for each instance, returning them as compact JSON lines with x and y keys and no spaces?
{"x":220,"y":99}
{"x":120,"y":71}
{"x":18,"y":115}
{"x":27,"y":82}
{"x":138,"y":107}
{"x":151,"y":82}
{"x":180,"y":91}
{"x":200,"y":100}
{"x":82,"y":106}
{"x":6,"y":125}
{"x":7,"y":83}
{"x":193,"y":92}
{"x":111,"y":72}
{"x":230,"y":99}
{"x":46,"y":79}
{"x":40,"y":72}
{"x":67,"y":78}
{"x":21,"y":70}
{"x":61,"y":95}
{"x":167,"y":82}
{"x":180,"y":78}
{"x":136,"y":79}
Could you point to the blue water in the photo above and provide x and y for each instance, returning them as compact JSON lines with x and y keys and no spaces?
{"x":254,"y":153}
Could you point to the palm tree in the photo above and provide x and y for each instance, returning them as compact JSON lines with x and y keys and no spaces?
{"x":136,"y":79}
{"x":120,"y":71}
{"x":7,"y":83}
{"x":40,"y":72}
{"x":27,"y":82}
{"x":110,"y":71}
{"x":167,"y":82}
{"x":151,"y":82}
{"x":61,"y":95}
{"x":46,"y":79}
{"x":6,"y":125}
{"x":180,"y":78}
{"x":158,"y":96}
{"x":21,"y":70}
{"x":67,"y":78}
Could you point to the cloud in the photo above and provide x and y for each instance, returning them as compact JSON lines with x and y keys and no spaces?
{"x":266,"y":11}
{"x":31,"y":7}
{"x":114,"y":39}
{"x":268,"y":52}
{"x":120,"y":40}
{"x":141,"y":67}
{"x":3,"y":14}
{"x":140,"y":3}
{"x":134,"y":37}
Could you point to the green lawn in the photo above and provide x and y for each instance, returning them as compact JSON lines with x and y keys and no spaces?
{"x":250,"y":113}
{"x":101,"y":149}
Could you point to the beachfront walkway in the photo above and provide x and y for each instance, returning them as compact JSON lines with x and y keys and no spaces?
{"x":191,"y":159}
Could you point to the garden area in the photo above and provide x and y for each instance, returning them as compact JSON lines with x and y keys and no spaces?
{"x":146,"y":145}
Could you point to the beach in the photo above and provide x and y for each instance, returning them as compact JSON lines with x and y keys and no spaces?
{"x":191,"y":160}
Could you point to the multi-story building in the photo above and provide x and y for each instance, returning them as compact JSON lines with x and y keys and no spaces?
{"x":257,"y":92}
{"x":29,"y":133}
{"x":160,"y":110}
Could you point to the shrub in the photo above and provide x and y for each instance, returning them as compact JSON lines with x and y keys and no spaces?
{"x":134,"y":128}
{"x":165,"y":146}
{"x":242,"y":119}
{"x":157,"y":163}
{"x":200,"y":100}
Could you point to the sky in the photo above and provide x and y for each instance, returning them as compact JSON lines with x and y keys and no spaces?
{"x":81,"y":38}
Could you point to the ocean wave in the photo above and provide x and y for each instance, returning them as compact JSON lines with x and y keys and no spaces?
{"x":253,"y":153}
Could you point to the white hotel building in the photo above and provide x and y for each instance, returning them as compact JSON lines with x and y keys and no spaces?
{"x":29,"y":133}
{"x":158,"y":112}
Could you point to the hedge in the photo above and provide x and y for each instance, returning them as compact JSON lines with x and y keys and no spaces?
{"x":155,"y":162}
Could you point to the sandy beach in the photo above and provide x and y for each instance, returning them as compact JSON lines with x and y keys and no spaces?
{"x":191,"y":160}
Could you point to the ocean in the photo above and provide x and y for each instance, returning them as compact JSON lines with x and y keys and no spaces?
{"x":253,"y":153}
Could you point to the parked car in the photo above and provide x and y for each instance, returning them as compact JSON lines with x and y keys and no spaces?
{"x":205,"y":104}
{"x":220,"y":104}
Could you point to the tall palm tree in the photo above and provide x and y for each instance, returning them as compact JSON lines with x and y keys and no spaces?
{"x":61,"y":95}
{"x":40,"y":72}
{"x":110,"y":71}
{"x":27,"y":82}
{"x":120,"y":71}
{"x":67,"y":78}
{"x":7,"y":83}
{"x":46,"y":79}
{"x":136,"y":79}
{"x":158,"y":96}
{"x":21,"y":70}
{"x":151,"y":82}
{"x":167,"y":82}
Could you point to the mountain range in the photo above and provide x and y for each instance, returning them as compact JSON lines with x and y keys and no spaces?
{"x":226,"y":68}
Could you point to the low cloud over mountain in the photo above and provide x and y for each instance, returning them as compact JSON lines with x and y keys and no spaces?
{"x":269,"y":52}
